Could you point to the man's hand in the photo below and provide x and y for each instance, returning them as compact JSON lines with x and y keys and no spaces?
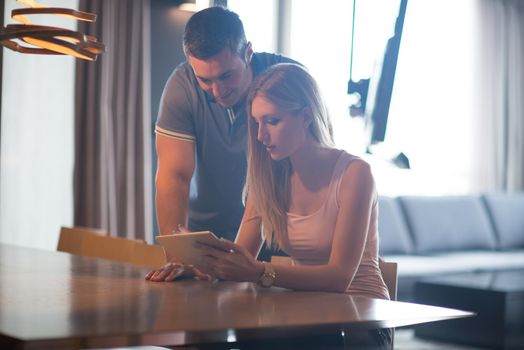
{"x":171,"y":271}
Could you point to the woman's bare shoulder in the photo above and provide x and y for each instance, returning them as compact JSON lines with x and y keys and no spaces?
{"x":357,"y":174}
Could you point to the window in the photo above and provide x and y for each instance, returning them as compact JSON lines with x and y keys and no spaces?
{"x":259,"y":19}
{"x":431,"y":113}
{"x":36,"y":190}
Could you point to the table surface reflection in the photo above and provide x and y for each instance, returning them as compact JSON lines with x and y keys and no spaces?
{"x":54,"y":299}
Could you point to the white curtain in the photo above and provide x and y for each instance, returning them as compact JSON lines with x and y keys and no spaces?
{"x":499,"y":155}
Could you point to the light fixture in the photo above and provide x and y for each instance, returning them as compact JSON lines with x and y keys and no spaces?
{"x":49,"y":40}
{"x":194,"y":6}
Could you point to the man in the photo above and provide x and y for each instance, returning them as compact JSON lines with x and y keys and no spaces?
{"x":201,"y":129}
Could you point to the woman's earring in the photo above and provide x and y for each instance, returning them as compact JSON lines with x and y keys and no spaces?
{"x":307,"y":117}
{"x":307,"y":123}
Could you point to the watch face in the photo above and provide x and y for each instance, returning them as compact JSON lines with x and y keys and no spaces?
{"x":267,"y":280}
{"x":268,"y":277}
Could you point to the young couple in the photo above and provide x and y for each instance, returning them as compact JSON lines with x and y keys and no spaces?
{"x":316,"y":203}
{"x":313,"y":201}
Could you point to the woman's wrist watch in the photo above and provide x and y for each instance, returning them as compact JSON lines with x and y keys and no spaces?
{"x":268,"y":277}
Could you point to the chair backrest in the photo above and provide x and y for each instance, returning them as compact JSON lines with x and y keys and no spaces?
{"x":389,"y":275}
{"x":98,"y":244}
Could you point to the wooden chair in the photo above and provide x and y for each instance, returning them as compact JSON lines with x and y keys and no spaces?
{"x":389,"y":271}
{"x":389,"y":275}
{"x":98,"y":244}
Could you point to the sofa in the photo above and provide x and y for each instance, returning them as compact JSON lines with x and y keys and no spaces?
{"x":432,"y":236}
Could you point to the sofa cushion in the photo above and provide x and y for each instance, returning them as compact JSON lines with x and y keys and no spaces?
{"x":393,"y":233}
{"x":507,"y":214}
{"x":457,"y":262}
{"x":448,"y":223}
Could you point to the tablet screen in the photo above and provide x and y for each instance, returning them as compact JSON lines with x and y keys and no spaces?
{"x":180,"y":245}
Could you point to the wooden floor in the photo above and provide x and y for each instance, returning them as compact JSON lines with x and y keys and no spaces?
{"x":406,"y":340}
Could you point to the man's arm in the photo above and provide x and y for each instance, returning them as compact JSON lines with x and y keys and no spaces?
{"x":176,"y":164}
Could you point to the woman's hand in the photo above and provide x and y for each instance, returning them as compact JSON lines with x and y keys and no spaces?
{"x":171,"y":271}
{"x":229,"y":261}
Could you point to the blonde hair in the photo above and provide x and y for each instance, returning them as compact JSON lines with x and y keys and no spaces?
{"x":292,"y":89}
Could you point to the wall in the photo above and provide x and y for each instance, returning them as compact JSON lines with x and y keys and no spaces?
{"x":167,"y":29}
{"x":36,"y":195}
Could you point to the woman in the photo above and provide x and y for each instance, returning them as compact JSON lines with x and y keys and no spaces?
{"x":316,"y":203}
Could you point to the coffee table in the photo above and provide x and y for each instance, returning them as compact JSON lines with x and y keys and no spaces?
{"x":497,"y":297}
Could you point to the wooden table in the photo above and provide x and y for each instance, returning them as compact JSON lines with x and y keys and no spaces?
{"x":58,"y":300}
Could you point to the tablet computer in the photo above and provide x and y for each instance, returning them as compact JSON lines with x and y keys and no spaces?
{"x":180,"y":245}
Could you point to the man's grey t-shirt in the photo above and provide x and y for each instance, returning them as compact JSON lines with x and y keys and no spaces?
{"x":189,"y":113}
